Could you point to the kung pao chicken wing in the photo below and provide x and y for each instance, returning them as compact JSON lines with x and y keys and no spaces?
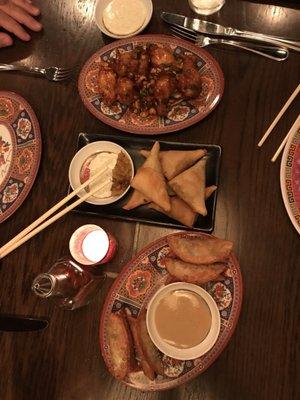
{"x":150,"y":79}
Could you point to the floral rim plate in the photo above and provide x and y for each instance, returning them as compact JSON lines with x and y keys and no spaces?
{"x":135,"y":286}
{"x":20,"y":151}
{"x":290,"y":178}
{"x":182,"y":115}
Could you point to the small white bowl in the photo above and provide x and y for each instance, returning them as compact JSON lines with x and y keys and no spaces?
{"x":192,"y":352}
{"x":82,"y":155}
{"x":100,"y":6}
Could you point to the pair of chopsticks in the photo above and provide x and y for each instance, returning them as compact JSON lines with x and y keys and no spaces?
{"x":38,"y":225}
{"x":293,"y":129}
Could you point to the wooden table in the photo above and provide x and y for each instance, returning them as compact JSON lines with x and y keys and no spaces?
{"x":64,"y":362}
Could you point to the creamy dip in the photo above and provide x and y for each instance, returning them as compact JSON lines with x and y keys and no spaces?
{"x":124,"y":17}
{"x":98,"y":162}
{"x":183,"y":319}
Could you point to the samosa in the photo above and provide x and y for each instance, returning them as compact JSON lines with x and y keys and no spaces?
{"x":149,"y":180}
{"x":137,"y":199}
{"x":174,"y":162}
{"x":190,"y":186}
{"x":180,"y":211}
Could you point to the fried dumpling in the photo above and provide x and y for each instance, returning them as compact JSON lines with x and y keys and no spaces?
{"x":150,"y":352}
{"x":190,"y":186}
{"x":137,"y":199}
{"x":174,"y":162}
{"x":134,"y":327}
{"x":120,"y":345}
{"x":191,"y":273}
{"x":180,"y":211}
{"x":200,"y":251}
{"x":149,"y":180}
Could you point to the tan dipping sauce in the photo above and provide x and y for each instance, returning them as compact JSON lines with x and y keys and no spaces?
{"x":182,"y":319}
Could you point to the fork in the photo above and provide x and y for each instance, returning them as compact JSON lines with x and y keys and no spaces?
{"x":272,"y":52}
{"x":54,"y":74}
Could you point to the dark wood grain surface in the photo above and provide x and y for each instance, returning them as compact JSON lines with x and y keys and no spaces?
{"x":63,"y":362}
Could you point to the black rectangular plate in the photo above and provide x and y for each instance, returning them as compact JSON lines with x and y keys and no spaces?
{"x":144,"y":213}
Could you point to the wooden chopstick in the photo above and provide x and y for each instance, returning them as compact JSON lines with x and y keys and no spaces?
{"x":280,"y":114}
{"x":295,"y":126}
{"x":4,"y":250}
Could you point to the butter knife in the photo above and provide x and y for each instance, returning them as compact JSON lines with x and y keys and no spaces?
{"x":17,"y":323}
{"x":211,"y":28}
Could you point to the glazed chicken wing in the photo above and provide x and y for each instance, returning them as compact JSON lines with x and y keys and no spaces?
{"x":107,"y":80}
{"x":189,"y":82}
{"x":125,"y":90}
{"x":161,"y":56}
{"x":144,"y":63}
{"x":163,"y":89}
{"x":126,"y":63}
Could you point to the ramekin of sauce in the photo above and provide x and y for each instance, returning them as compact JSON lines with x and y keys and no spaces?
{"x":123,"y":18}
{"x":183,"y":321}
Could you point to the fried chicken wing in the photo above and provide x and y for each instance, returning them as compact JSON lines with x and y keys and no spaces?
{"x":126,"y":63}
{"x":189,"y":82}
{"x":107,"y":80}
{"x":160,"y":56}
{"x":125,"y":90}
{"x":144,"y":63}
{"x":163,"y":88}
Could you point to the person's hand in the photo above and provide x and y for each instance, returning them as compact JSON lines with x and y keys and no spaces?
{"x":14,"y":14}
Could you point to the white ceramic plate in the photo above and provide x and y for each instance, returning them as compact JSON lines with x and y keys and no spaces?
{"x":192,"y":352}
{"x":100,"y":6}
{"x":82,"y":155}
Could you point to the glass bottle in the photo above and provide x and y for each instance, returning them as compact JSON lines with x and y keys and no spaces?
{"x":67,"y":284}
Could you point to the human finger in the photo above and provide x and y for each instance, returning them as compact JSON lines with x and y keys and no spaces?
{"x":5,"y":40}
{"x":21,"y":16}
{"x":27,"y":6}
{"x":12,"y":26}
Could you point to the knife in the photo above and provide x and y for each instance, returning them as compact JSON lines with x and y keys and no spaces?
{"x":16,"y":323}
{"x":211,"y":28}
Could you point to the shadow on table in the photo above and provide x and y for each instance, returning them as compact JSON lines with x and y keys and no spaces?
{"x":30,"y":379}
{"x":19,"y":50}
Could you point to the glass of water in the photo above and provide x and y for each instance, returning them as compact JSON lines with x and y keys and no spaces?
{"x":206,"y":7}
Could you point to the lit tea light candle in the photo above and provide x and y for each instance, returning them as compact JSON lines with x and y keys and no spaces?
{"x":90,"y":245}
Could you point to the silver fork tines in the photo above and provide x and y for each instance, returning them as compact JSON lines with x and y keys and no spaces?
{"x":55,"y":74}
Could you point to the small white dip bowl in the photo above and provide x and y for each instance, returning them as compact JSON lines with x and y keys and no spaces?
{"x":82,"y":155}
{"x":101,"y":5}
{"x":191,"y":352}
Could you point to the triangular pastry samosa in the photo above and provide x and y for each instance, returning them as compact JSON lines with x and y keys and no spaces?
{"x":137,"y":199}
{"x":190,"y":186}
{"x":180,"y":211}
{"x":174,"y":162}
{"x":209,"y":191}
{"x":149,"y":180}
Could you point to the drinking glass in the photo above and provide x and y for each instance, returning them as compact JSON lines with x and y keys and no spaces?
{"x":206,"y":7}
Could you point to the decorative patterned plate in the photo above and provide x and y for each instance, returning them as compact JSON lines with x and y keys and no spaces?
{"x":182,"y":115}
{"x":133,"y":289}
{"x":290,"y":178}
{"x":20,"y":151}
